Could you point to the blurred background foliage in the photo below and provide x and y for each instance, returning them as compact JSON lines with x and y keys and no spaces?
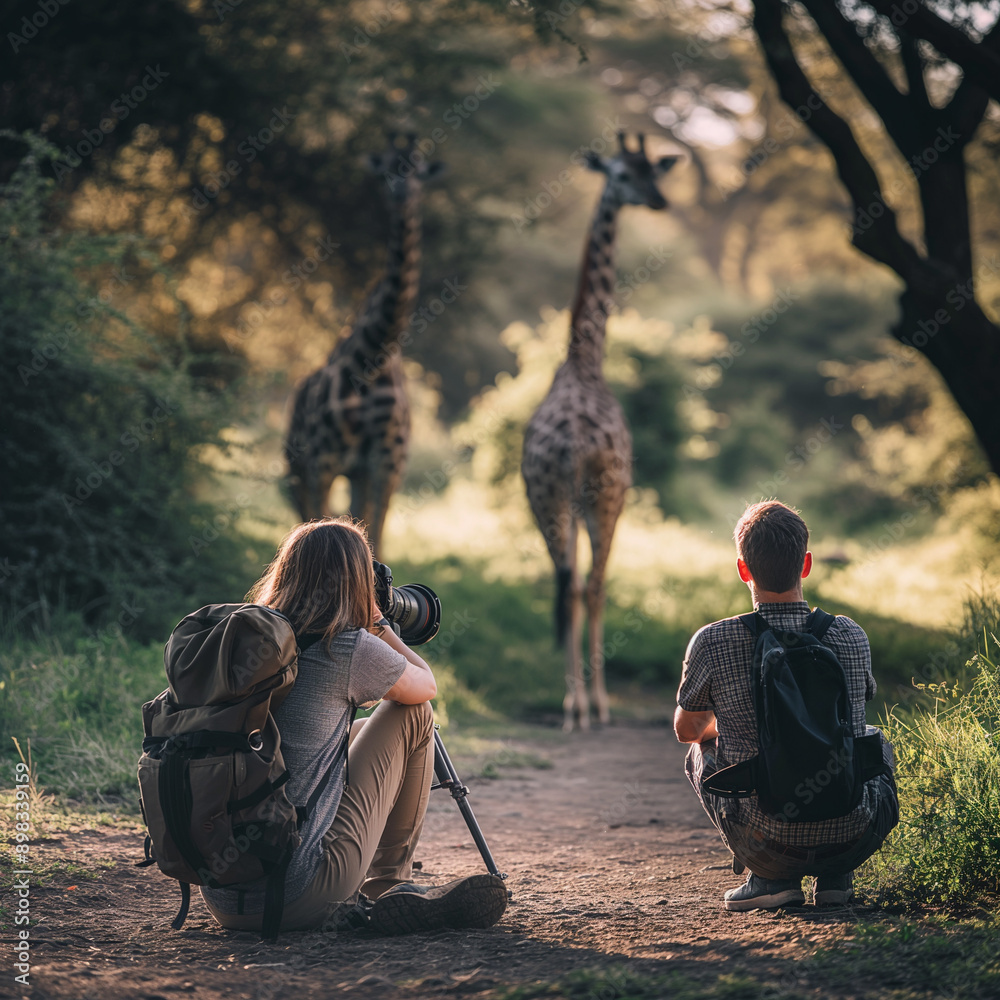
{"x":753,"y":361}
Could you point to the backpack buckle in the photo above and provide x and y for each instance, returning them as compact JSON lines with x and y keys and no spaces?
{"x":255,"y":740}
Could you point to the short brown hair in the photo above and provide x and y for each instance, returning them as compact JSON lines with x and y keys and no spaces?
{"x":772,"y":540}
{"x":322,"y":578}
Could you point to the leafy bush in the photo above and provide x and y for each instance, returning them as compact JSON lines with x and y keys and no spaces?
{"x":946,"y":848}
{"x":102,"y":423}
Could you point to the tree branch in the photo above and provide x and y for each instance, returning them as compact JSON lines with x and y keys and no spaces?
{"x":979,"y":60}
{"x":868,"y":74}
{"x":913,"y":63}
{"x":875,"y":234}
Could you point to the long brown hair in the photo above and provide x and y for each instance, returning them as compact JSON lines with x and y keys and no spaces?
{"x":321,"y":578}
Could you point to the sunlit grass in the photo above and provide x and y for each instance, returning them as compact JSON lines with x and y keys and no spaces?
{"x":946,"y":848}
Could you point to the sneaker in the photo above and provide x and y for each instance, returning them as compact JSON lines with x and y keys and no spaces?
{"x":476,"y":901}
{"x":765,"y":894}
{"x":834,"y":890}
{"x":349,"y":916}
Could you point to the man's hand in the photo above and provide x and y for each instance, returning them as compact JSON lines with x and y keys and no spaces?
{"x":694,"y":727}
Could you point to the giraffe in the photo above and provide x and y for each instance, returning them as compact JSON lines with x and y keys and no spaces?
{"x":352,"y":417}
{"x":577,"y":458}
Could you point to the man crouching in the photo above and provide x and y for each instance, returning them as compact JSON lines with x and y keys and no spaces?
{"x":716,"y":715}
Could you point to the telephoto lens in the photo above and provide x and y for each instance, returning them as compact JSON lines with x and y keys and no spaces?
{"x":413,"y":610}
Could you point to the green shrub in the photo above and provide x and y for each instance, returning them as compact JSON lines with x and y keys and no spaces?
{"x":946,"y":848}
{"x":103,"y":422}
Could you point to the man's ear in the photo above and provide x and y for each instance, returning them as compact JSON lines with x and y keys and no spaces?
{"x":807,"y":565}
{"x":743,"y":570}
{"x":594,"y":162}
{"x":665,"y":163}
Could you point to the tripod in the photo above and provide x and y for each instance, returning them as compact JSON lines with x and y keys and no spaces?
{"x":448,"y":778}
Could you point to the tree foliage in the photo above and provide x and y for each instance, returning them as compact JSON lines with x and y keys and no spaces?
{"x":931,"y":130}
{"x":102,"y":422}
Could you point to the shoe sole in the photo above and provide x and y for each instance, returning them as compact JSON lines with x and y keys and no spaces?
{"x":478,"y":901}
{"x":790,"y":897}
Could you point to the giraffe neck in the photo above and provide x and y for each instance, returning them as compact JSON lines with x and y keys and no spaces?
{"x":595,"y":296}
{"x":378,"y":331}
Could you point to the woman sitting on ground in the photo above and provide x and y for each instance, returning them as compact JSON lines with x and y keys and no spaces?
{"x":359,"y":837}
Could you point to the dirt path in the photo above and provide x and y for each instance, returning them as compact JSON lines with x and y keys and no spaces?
{"x":611,"y":862}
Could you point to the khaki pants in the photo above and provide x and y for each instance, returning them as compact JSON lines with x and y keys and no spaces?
{"x":369,"y":848}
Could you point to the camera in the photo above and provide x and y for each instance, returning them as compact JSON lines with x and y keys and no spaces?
{"x":413,"y":610}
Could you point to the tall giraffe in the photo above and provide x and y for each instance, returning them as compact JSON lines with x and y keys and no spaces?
{"x":352,"y":416}
{"x":577,"y":460}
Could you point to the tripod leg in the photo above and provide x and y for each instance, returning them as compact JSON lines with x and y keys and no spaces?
{"x":447,"y":777}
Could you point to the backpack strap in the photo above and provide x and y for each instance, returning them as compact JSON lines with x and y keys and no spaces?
{"x":274,"y":900}
{"x":347,"y":746}
{"x":818,"y":622}
{"x":307,"y":639}
{"x":175,"y":800}
{"x":755,"y":623}
{"x":261,"y":793}
{"x":178,"y":922}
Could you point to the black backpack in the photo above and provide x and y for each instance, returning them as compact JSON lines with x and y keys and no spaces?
{"x":810,"y":765}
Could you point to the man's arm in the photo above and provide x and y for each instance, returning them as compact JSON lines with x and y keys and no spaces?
{"x":694,"y":727}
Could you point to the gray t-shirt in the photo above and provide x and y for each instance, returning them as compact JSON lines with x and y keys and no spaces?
{"x":355,"y":668}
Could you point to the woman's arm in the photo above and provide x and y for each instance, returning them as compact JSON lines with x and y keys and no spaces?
{"x":417,"y":682}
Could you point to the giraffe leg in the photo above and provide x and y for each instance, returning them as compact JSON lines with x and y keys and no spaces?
{"x":601,"y":520}
{"x":312,"y":493}
{"x":384,"y":483}
{"x":361,"y":503}
{"x":576,"y":707}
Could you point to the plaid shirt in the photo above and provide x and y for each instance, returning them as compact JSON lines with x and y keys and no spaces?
{"x":716,"y":677}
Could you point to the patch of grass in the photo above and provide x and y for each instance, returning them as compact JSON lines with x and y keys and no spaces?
{"x":901,"y":958}
{"x":907,"y":958}
{"x":946,"y":848}
{"x":79,"y":701}
{"x":620,"y":983}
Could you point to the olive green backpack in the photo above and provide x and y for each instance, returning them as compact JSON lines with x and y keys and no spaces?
{"x":211,"y":774}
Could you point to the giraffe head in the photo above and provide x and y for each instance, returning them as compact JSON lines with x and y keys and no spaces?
{"x":404,"y":167}
{"x":631,"y":176}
